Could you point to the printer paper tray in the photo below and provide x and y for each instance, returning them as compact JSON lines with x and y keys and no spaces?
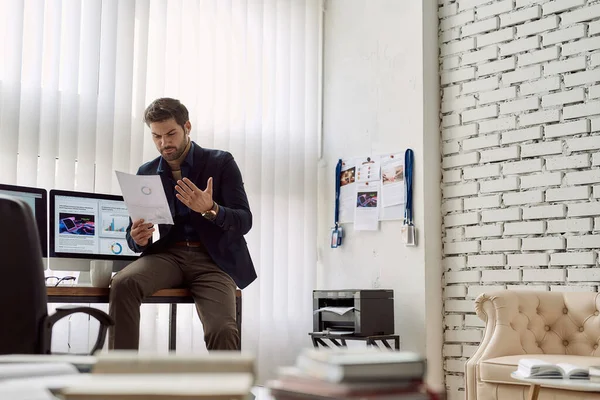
{"x":339,"y":329}
{"x":333,"y":317}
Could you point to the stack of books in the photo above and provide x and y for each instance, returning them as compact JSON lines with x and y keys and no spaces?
{"x":343,"y":373}
{"x":129,"y":375}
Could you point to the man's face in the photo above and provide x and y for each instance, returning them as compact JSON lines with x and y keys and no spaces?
{"x":170,"y":138}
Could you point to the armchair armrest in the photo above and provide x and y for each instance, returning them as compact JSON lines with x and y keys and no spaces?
{"x":64,"y":311}
{"x":497,"y":310}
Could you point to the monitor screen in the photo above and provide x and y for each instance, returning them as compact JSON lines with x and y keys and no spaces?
{"x":38,"y":201}
{"x":89,"y":226}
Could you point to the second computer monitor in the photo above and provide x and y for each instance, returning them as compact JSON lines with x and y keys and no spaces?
{"x":38,"y":201}
{"x":85,"y":227}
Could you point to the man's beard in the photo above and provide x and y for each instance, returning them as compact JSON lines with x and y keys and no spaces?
{"x":176,"y":154}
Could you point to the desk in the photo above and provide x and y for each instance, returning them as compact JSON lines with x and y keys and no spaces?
{"x":89,"y":294}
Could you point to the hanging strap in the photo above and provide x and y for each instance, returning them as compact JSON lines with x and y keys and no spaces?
{"x":338,"y":176}
{"x":408,"y":172}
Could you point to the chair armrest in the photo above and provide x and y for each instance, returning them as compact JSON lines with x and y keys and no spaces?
{"x":64,"y":311}
{"x":497,"y":310}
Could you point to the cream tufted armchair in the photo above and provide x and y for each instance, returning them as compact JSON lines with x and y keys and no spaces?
{"x":552,"y":326}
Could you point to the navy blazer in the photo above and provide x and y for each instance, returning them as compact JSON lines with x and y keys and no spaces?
{"x":224,"y":237}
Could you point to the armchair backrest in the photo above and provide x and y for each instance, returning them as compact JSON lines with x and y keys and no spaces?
{"x":23,"y":298}
{"x":529,"y":322}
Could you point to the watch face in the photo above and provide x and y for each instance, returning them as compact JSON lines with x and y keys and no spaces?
{"x":210,"y":214}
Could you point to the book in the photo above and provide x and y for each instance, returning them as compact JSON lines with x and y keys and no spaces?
{"x":369,"y":355}
{"x":594,"y":372}
{"x":52,"y":383}
{"x":227,"y":386}
{"x":284,"y":394}
{"x":82,"y":363}
{"x":534,"y":368}
{"x":23,"y":392}
{"x":293,"y":379}
{"x":133,"y":362}
{"x":343,"y":365}
{"x":31,"y":370}
{"x":39,"y":387}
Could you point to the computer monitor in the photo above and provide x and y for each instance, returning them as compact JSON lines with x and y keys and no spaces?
{"x":86,"y":227}
{"x":38,"y":201}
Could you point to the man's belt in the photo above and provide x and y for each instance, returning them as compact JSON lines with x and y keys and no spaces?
{"x":188,"y":244}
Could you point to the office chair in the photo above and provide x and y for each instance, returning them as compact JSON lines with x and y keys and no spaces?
{"x":25,"y":326}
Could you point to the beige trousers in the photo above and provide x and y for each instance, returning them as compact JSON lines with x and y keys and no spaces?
{"x":213,"y":291}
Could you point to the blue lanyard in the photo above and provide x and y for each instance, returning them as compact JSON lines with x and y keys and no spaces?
{"x":408,"y":170}
{"x":338,"y":175}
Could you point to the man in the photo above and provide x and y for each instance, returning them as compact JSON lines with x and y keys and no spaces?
{"x":204,"y":250}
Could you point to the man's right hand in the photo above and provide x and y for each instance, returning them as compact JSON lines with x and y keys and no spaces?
{"x":141,"y":232}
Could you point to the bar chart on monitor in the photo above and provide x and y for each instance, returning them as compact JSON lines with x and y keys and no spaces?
{"x":114,"y":224}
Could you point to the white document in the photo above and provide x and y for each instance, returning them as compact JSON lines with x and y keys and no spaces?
{"x":392,"y":180}
{"x":347,"y":191}
{"x":392,"y":213}
{"x":145,"y":198}
{"x":366,"y":212}
{"x":368,"y":169}
{"x":28,"y":370}
{"x":40,"y":385}
{"x":23,"y":391}
{"x":337,"y":310}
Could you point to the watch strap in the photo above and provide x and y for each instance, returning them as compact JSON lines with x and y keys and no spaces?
{"x":211,"y":214}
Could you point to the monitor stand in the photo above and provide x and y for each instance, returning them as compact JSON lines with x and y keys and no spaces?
{"x":82,"y":267}
{"x":84,"y":279}
{"x":69,"y":264}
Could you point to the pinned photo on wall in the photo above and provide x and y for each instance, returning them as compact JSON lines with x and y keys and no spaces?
{"x":392,"y":179}
{"x":368,"y":169}
{"x":366,"y":214}
{"x":366,"y":199}
{"x":392,"y":187}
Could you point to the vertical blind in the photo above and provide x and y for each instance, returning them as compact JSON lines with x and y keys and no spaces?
{"x":76,"y":76}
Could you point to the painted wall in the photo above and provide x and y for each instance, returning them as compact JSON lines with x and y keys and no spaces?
{"x":521,"y":140}
{"x":381,"y":95}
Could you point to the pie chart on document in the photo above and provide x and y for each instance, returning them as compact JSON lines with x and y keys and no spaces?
{"x":116,"y":248}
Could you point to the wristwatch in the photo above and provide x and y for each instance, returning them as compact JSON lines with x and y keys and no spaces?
{"x":211,"y":214}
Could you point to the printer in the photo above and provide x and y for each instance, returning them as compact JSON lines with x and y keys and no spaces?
{"x":364,"y":312}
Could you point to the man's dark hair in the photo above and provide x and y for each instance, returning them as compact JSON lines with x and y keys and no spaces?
{"x":166,"y":108}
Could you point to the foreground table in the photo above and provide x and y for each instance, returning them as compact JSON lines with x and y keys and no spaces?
{"x":578,"y":385}
{"x":89,"y":294}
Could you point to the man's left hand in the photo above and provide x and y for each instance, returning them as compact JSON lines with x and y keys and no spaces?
{"x":196,"y":199}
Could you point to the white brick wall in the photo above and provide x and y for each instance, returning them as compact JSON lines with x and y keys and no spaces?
{"x":520,"y":132}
